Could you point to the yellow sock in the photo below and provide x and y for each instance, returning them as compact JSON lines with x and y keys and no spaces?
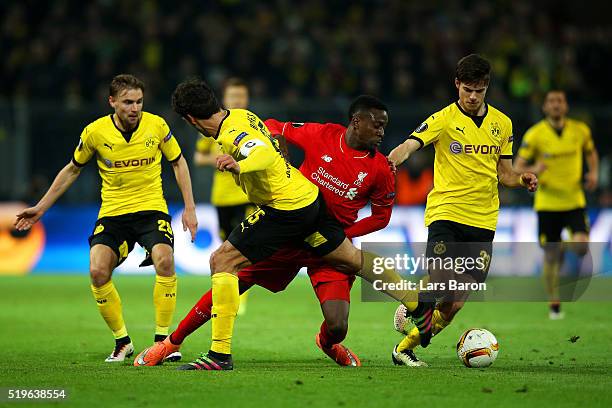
{"x":164,"y":299}
{"x":243,"y":303}
{"x":413,"y":339}
{"x":438,"y":323}
{"x":550,"y":275}
{"x":225,"y":306}
{"x":408,"y":298}
{"x":109,"y":305}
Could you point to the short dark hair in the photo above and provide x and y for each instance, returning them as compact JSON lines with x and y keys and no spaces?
{"x":554,"y":90}
{"x":194,"y":97}
{"x":473,"y":69}
{"x":234,"y":81}
{"x":124,"y":81}
{"x":365,"y":102}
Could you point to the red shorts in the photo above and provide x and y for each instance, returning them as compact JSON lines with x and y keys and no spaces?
{"x":276,"y":272}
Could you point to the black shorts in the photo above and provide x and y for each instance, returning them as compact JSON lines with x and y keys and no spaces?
{"x":267,"y":230}
{"x":121,"y":232}
{"x":452,"y":239}
{"x":230,"y":216}
{"x":551,"y":223}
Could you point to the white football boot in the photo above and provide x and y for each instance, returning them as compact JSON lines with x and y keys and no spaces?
{"x":406,"y":358}
{"x":120,"y":353}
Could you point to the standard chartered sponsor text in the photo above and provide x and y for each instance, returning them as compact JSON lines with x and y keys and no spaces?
{"x":329,"y":181}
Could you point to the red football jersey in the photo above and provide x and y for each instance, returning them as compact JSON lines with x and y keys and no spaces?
{"x":348,"y":178}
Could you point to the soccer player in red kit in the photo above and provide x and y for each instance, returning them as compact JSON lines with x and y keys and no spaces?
{"x":349,"y":171}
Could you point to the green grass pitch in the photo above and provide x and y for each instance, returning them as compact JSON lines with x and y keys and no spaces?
{"x":53,"y":337}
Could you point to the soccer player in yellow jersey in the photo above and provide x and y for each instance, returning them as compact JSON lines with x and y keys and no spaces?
{"x":556,"y":145}
{"x":473,"y":153}
{"x":290,"y":211}
{"x":230,"y":201}
{"x":128,"y":146}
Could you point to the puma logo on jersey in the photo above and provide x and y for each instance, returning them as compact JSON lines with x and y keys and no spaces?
{"x":109,"y":146}
{"x":326,"y":158}
{"x":460,"y":129}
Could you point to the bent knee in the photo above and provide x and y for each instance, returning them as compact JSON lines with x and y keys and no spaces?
{"x":220,"y":261}
{"x":164,"y":264}
{"x":216,"y":260}
{"x":99,"y":275}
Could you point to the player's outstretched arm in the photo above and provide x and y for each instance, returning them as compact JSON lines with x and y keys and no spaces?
{"x":509,"y":177}
{"x":379,"y":219}
{"x":63,"y":180}
{"x":189,"y":219}
{"x":401,"y":153}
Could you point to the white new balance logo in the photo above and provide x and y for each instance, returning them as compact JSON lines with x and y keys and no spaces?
{"x":351,"y":193}
{"x":326,"y":158}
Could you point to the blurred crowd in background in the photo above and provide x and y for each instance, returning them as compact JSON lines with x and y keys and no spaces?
{"x":303,"y":59}
{"x":313,"y":48}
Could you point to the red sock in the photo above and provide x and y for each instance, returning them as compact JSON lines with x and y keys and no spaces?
{"x":196,"y":317}
{"x":327,"y":338}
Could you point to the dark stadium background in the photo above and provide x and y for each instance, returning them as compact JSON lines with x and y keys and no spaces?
{"x":304,"y":61}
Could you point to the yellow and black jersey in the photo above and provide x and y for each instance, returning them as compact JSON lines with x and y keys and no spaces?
{"x":129,"y":163}
{"x":266,"y":176}
{"x":559,"y":185}
{"x":467,"y":150}
{"x":225,"y":192}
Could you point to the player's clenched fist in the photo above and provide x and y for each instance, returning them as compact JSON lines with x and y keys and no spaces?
{"x":529,"y":181}
{"x":225,"y":162}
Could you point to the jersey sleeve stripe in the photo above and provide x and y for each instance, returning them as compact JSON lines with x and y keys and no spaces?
{"x":418,"y":139}
{"x":176,"y":159}
{"x":76,"y":163}
{"x":506,"y":156}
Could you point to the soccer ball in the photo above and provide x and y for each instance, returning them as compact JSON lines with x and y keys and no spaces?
{"x":400,"y":322}
{"x":477,"y":348}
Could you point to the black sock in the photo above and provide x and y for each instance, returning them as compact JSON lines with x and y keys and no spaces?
{"x":555,"y":307}
{"x":122,"y":341}
{"x":160,"y":337}
{"x":219,"y":356}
